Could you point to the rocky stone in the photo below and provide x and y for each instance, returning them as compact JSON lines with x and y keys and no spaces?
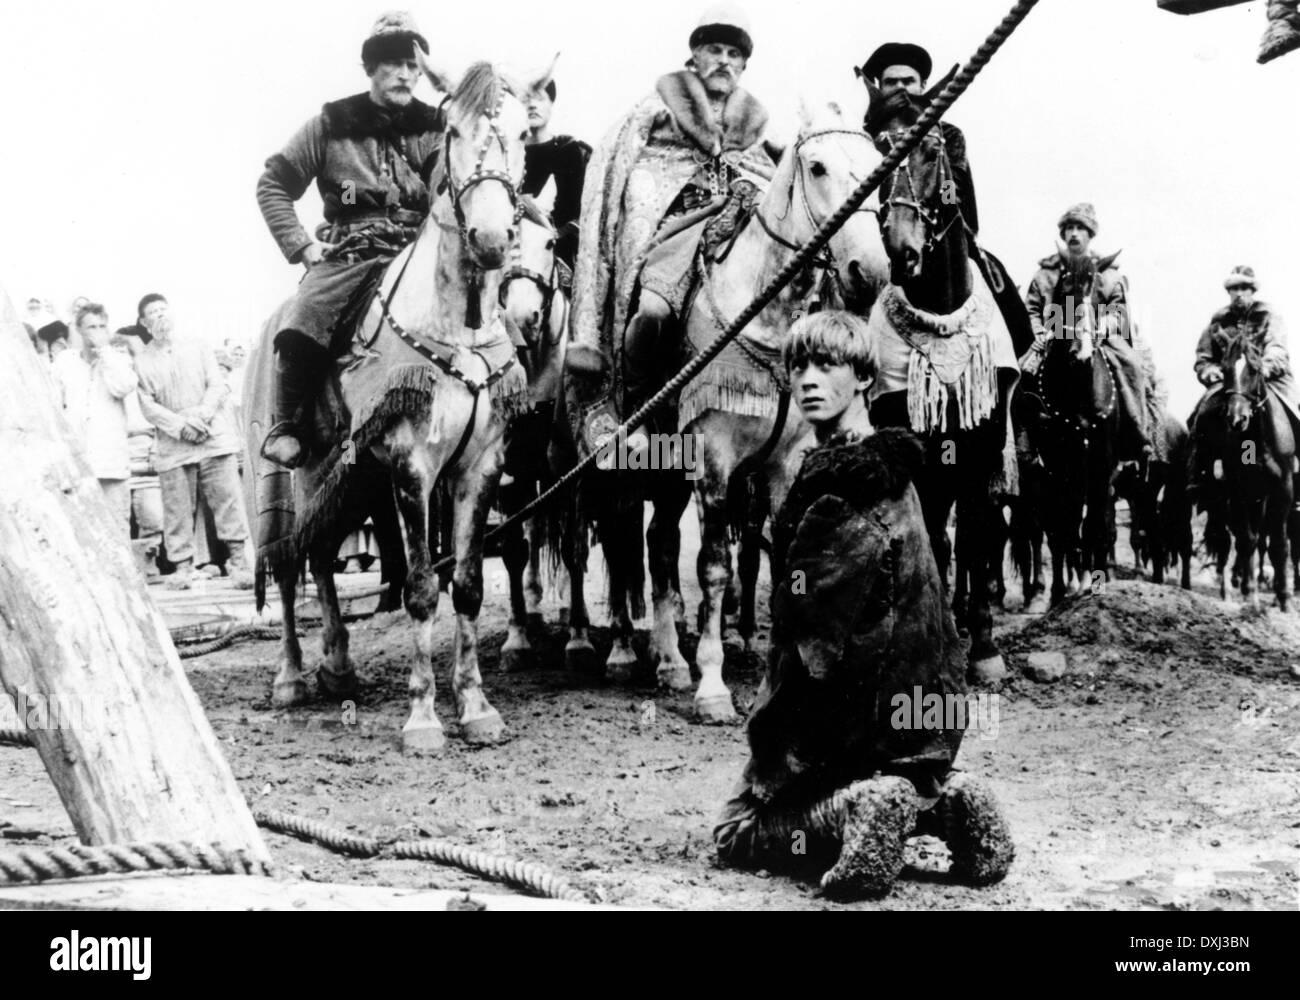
{"x":1046,"y":668}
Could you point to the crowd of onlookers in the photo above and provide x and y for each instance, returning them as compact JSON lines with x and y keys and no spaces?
{"x":156,"y":411}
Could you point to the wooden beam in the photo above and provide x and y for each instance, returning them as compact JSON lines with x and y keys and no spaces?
{"x":1196,"y":6}
{"x":123,"y":737}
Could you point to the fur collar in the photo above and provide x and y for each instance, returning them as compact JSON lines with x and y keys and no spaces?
{"x":743,"y":118}
{"x":862,"y":472}
{"x":1257,"y":310}
{"x":358,"y":117}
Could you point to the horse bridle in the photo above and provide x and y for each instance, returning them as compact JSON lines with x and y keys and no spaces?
{"x":1256,"y":402}
{"x":480,"y":175}
{"x":825,"y":258}
{"x":546,"y":285}
{"x":929,"y":216}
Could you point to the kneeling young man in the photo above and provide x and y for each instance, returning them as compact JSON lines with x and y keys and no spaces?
{"x":838,"y":777}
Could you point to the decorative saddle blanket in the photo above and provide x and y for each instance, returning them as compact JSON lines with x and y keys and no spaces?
{"x":939,"y":358}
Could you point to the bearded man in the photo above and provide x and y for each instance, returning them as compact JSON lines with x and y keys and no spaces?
{"x":370,"y":155}
{"x":659,"y":177}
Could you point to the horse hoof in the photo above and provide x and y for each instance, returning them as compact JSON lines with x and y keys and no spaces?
{"x":1038,"y":605}
{"x":715,"y":710}
{"x":621,"y":666}
{"x":423,"y":739}
{"x":674,"y":676}
{"x":485,"y":730}
{"x":337,"y":686}
{"x":515,"y":660}
{"x":989,"y":670}
{"x":288,"y":694}
{"x":580,"y":657}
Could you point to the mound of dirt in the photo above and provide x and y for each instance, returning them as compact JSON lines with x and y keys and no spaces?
{"x":1142,"y":625}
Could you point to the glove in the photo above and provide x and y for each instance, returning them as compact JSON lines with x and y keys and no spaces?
{"x":1274,"y":368}
{"x":1032,"y":360}
{"x":1211,"y":375}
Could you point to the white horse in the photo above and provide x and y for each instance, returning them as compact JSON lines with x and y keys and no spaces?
{"x":737,"y":432}
{"x":426,"y":396}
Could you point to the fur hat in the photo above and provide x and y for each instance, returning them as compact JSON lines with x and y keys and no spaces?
{"x":1241,"y":275}
{"x":725,"y":23}
{"x":50,"y":332}
{"x":1083,"y":213}
{"x":896,"y":54}
{"x":393,"y":38}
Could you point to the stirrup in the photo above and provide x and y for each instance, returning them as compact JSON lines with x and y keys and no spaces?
{"x":285,"y":429}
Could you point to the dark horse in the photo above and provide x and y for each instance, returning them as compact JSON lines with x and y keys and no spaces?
{"x":927,"y":242}
{"x":1247,"y":429}
{"x":1079,"y":438}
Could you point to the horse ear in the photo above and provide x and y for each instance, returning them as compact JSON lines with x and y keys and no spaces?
{"x":1106,"y":263}
{"x":539,"y":82}
{"x":805,"y":113}
{"x":937,"y":89}
{"x":872,"y":90}
{"x":440,"y":81}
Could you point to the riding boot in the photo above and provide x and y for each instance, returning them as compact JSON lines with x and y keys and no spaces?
{"x":646,"y":345}
{"x":1283,"y":33}
{"x":298,"y":371}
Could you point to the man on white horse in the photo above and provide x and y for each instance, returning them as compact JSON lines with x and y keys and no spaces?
{"x":1244,"y":316}
{"x":370,"y":155}
{"x":660,"y":178}
{"x":1114,"y":333}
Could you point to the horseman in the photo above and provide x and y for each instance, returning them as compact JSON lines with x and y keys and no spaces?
{"x":894,"y":74}
{"x":904,"y":68}
{"x":1115,"y":332}
{"x":370,"y":155}
{"x":561,"y":160}
{"x":1244,"y":316}
{"x":687,"y":158}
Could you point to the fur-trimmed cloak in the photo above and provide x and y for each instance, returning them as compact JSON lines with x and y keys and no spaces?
{"x":859,"y":617}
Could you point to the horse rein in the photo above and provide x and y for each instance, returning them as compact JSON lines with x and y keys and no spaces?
{"x":928,"y":215}
{"x":825,"y":258}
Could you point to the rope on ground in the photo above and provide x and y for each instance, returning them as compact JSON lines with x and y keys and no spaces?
{"x":229,"y":639}
{"x":955,"y":88}
{"x":41,"y":864}
{"x":534,"y":877}
{"x":16,"y":738}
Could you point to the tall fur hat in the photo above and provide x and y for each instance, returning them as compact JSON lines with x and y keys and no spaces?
{"x":1241,"y":275}
{"x":725,"y":23}
{"x":896,"y":54}
{"x":393,"y":38}
{"x":1083,"y":213}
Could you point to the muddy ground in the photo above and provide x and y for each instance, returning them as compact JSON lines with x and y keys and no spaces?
{"x":1161,"y":772}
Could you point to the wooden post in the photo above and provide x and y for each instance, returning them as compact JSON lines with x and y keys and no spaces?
{"x":1196,"y":6}
{"x":84,"y":654}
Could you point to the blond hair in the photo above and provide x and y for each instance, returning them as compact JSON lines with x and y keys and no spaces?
{"x":830,"y":337}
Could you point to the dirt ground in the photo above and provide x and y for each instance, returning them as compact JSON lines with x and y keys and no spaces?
{"x":1161,"y":772}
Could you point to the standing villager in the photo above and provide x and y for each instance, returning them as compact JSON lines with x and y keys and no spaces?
{"x":370,"y":156}
{"x":668,"y":168}
{"x":1115,"y":331}
{"x":1243,"y":316}
{"x":560,"y":160}
{"x":93,"y":383}
{"x":838,"y":775}
{"x":181,"y":393}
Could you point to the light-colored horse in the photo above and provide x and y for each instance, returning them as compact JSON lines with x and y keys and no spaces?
{"x":828,"y":159}
{"x":533,"y":300}
{"x":453,"y":438}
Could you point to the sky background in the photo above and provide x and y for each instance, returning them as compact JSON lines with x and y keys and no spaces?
{"x":135,"y":132}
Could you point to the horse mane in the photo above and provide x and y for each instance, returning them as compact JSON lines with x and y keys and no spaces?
{"x":479,"y":91}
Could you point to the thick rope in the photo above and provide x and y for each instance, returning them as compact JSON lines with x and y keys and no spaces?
{"x":16,"y":738}
{"x":955,"y":88}
{"x":40,"y":864}
{"x":526,"y":875}
{"x":229,"y":639}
